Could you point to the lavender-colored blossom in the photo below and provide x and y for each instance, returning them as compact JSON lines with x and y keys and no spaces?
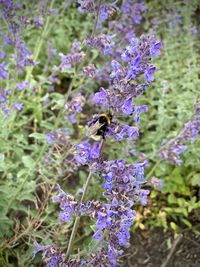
{"x":50,"y":138}
{"x":86,"y":6}
{"x":2,"y":98}
{"x":125,"y":132}
{"x":127,"y":107}
{"x":124,"y":82}
{"x":89,"y":71}
{"x":3,"y":72}
{"x":106,"y":11}
{"x":116,"y":216}
{"x":68,"y":204}
{"x":17,"y":106}
{"x":101,"y":97}
{"x":134,"y":10}
{"x":69,"y":60}
{"x":130,"y":18}
{"x":2,"y":55}
{"x":60,"y":136}
{"x":38,"y":21}
{"x":102,"y":42}
{"x":172,"y":150}
{"x":53,"y":257}
{"x":22,"y":55}
{"x":85,"y":153}
{"x":82,"y":154}
{"x":138,"y":110}
{"x":75,"y":106}
{"x":148,"y":75}
{"x":155,"y":183}
{"x":155,"y":49}
{"x":22,"y":85}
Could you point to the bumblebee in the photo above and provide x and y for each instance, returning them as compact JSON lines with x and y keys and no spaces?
{"x":99,"y":126}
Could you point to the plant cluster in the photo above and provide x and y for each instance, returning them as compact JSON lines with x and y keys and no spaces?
{"x":56,"y":153}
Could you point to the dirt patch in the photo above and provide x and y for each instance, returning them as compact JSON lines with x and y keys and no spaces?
{"x":157,"y":248}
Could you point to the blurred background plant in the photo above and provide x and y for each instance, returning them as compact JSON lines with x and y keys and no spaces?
{"x":35,"y":132}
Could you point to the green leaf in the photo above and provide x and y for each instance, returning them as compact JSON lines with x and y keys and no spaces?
{"x":174,"y":226}
{"x":28,"y":162}
{"x":38,"y":136}
{"x":196,"y":180}
{"x":186,"y":222}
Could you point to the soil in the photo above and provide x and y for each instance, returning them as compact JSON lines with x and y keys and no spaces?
{"x":156,"y":248}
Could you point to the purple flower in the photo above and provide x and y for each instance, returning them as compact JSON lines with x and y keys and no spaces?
{"x":68,"y":205}
{"x":172,"y":150}
{"x":22,"y":55}
{"x":143,"y":196}
{"x":17,"y":106}
{"x":148,"y":75}
{"x":82,"y":154}
{"x":95,"y":151}
{"x":65,"y":215}
{"x":72,"y":118}
{"x":107,"y":11}
{"x":155,"y":183}
{"x":2,"y":55}
{"x":127,"y":107}
{"x":102,"y":42}
{"x":155,"y":49}
{"x":138,"y":110}
{"x":2,"y":98}
{"x":89,"y":71}
{"x":51,"y":255}
{"x":38,"y":21}
{"x":37,"y":249}
{"x":69,"y":60}
{"x":3,"y":72}
{"x":86,"y":6}
{"x":50,"y":138}
{"x":101,"y":97}
{"x":22,"y":85}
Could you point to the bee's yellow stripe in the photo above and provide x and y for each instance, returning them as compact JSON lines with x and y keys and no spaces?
{"x":106,"y":116}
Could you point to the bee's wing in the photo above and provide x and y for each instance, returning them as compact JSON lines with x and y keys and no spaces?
{"x":92,"y":130}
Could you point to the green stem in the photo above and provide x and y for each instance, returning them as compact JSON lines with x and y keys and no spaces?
{"x":153,"y":169}
{"x":76,"y":222}
{"x":39,"y":43}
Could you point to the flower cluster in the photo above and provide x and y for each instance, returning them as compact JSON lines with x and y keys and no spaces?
{"x":89,"y":71}
{"x":174,"y":148}
{"x":6,"y":106}
{"x":130,"y":73}
{"x":86,"y":154}
{"x":106,"y":10}
{"x":114,"y":218}
{"x":102,"y":42}
{"x":126,"y":78}
{"x":131,"y":16}
{"x":68,"y":204}
{"x":53,"y":256}
{"x":69,"y":60}
{"x":12,"y":37}
{"x":75,"y":106}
